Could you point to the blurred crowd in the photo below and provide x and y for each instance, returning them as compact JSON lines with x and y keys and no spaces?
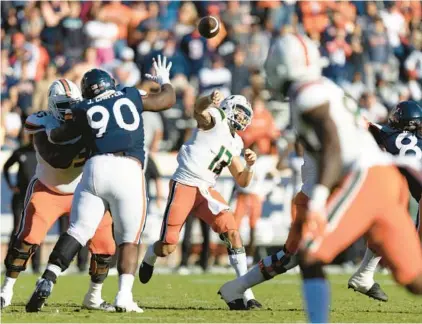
{"x":372,"y":50}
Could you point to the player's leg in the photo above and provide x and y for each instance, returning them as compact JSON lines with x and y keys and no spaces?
{"x":87,"y":212}
{"x":41,"y":210}
{"x":241,"y":208}
{"x":274,"y":264}
{"x":394,"y":228}
{"x":225,"y":225}
{"x":255,"y":204}
{"x":127,"y":200}
{"x":102,"y":248}
{"x":180,"y":202}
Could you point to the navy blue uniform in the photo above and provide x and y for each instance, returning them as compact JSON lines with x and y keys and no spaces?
{"x":402,"y":143}
{"x":113,"y":124}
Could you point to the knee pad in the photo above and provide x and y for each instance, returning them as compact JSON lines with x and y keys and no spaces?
{"x":18,"y":256}
{"x":64,"y":251}
{"x":98,"y":269}
{"x":311,"y":271}
{"x":278,"y":263}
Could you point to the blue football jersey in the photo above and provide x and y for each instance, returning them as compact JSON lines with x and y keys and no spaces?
{"x":402,"y":143}
{"x":113,"y":124}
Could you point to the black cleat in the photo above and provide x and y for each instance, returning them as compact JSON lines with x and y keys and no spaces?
{"x":145,"y":272}
{"x":237,"y":304}
{"x":253,"y":304}
{"x":42,"y":292}
{"x":2,"y":302}
{"x":374,"y":292}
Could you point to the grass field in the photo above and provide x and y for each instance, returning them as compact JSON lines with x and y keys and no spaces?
{"x":184,"y":299}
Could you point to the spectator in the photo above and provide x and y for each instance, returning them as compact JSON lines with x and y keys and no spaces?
{"x":24,"y":53}
{"x":102,"y":35}
{"x":40,"y":97}
{"x":314,"y":15}
{"x":262,"y":131}
{"x":121,"y":15}
{"x":413,"y":63}
{"x":372,"y":110}
{"x":338,"y":51}
{"x":216,"y":77}
{"x":395,"y":25}
{"x":25,"y":157}
{"x":11,"y":124}
{"x":90,"y":62}
{"x":194,"y":48}
{"x":378,"y":50}
{"x":127,"y":73}
{"x":21,"y":94}
{"x":188,"y":15}
{"x":72,"y":33}
{"x":387,"y":92}
{"x":259,"y":44}
{"x":53,"y":12}
{"x":239,"y":71}
{"x":355,"y":88}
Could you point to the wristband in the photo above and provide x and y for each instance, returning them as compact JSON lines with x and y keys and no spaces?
{"x":319,"y":197}
{"x":250,"y":168}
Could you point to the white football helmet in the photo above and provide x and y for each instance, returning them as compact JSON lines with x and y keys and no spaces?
{"x":61,"y":94}
{"x":291,"y":58}
{"x":238,"y":111}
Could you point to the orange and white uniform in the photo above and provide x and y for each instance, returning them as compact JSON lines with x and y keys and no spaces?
{"x":50,"y":192}
{"x":201,"y":160}
{"x":372,"y":197}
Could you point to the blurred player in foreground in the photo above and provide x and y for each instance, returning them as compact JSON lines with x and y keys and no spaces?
{"x":402,"y":136}
{"x":356,"y":188}
{"x":110,"y":123}
{"x":213,"y":146}
{"x":49,"y":196}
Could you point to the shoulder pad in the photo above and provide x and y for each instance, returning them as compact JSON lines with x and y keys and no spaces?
{"x":40,"y":121}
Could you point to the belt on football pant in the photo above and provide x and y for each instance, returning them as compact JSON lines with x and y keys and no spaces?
{"x":124,"y":154}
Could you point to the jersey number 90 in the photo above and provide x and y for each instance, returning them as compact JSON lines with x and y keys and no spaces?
{"x":102,"y":123}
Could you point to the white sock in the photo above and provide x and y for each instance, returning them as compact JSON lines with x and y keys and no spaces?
{"x":150,"y":257}
{"x":126,"y":283}
{"x":55,"y":269}
{"x":95,"y":290}
{"x":8,"y":284}
{"x":366,"y":271}
{"x":369,"y":263}
{"x":239,"y":263}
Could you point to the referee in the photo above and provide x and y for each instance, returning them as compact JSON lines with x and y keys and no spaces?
{"x":25,"y":157}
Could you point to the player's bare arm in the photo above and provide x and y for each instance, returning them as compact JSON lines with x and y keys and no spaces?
{"x":66,"y":133}
{"x":203,"y":117}
{"x":243,"y":174}
{"x":166,"y":98}
{"x":326,"y":131}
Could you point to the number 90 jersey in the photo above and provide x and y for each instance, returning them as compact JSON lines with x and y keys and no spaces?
{"x":113,"y":123}
{"x":203,"y":157}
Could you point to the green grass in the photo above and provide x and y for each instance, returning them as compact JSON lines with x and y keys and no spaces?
{"x":183,"y":299}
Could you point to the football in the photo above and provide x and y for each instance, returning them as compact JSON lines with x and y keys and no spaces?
{"x":209,"y":26}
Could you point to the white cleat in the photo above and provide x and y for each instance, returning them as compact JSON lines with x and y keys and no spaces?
{"x":6,"y":298}
{"x":100,"y":305}
{"x":126,"y":304}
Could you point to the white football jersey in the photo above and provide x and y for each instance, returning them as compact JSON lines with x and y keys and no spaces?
{"x":59,"y":180}
{"x":358,"y":147}
{"x":203,"y":157}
